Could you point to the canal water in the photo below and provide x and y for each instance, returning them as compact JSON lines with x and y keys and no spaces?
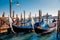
{"x":30,"y":36}
{"x":58,"y":36}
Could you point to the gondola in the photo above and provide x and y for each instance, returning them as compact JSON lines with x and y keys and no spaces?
{"x":26,"y":28}
{"x":43,"y":30}
{"x":22,"y":28}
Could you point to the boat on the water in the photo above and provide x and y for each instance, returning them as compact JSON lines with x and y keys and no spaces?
{"x":24,"y":26}
{"x":47,"y":28}
{"x":44,"y":31}
{"x":27,"y":28}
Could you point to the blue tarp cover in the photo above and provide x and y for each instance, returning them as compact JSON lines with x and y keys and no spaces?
{"x":29,"y":26}
{"x":42,"y":23}
{"x":26,"y":22}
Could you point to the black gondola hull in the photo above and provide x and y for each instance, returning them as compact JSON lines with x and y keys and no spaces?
{"x":18,"y":29}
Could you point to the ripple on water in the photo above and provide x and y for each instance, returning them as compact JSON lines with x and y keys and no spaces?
{"x":58,"y":35}
{"x":51,"y":36}
{"x":32,"y":36}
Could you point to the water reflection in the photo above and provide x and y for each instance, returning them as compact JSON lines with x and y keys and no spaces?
{"x":58,"y":35}
{"x":51,"y":36}
{"x":34,"y":36}
{"x":31,"y":36}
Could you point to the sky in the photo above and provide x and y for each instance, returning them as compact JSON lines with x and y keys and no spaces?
{"x":33,"y":6}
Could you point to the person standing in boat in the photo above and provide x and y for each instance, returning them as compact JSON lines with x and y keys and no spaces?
{"x":32,"y":22}
{"x":10,"y":29}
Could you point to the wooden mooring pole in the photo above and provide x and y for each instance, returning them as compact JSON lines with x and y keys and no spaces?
{"x":40,"y":14}
{"x":58,"y":24}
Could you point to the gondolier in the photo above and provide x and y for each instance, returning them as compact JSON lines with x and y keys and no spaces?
{"x":33,"y":25}
{"x":10,"y":29}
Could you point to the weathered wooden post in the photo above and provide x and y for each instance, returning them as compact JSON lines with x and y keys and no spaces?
{"x":58,"y":23}
{"x":13,"y":14}
{"x":35,"y":18}
{"x":3,"y":15}
{"x":30,"y":17}
{"x":21,"y":19}
{"x":24,"y":17}
{"x":17,"y":19}
{"x":40,"y":14}
{"x":16,"y":15}
{"x":47,"y":18}
{"x":10,"y":7}
{"x":13,"y":17}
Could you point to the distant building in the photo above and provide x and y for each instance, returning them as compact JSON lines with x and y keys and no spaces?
{"x":49,"y":17}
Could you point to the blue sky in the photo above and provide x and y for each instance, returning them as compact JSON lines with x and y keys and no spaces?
{"x":33,"y":6}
